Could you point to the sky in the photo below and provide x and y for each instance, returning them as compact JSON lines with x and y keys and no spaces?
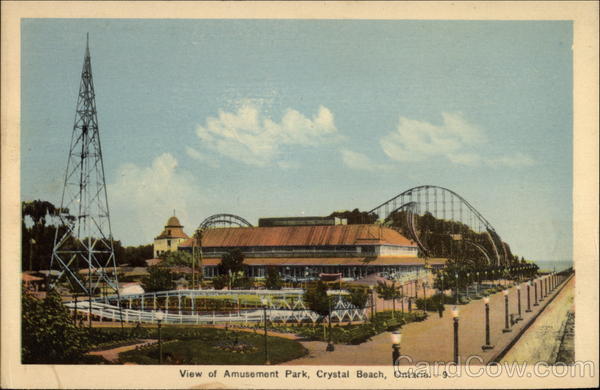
{"x":264,"y":118}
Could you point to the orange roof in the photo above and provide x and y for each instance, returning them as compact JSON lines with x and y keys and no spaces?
{"x":30,"y":278}
{"x":151,"y":262}
{"x":323,"y":261}
{"x":173,"y":222}
{"x":301,"y":236}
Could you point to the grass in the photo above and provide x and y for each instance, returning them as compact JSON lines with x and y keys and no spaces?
{"x":208,"y":346}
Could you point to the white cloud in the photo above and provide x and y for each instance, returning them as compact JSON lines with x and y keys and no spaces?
{"x":143,"y":198}
{"x":360,"y":161}
{"x":196,"y":155}
{"x":249,"y":136}
{"x":416,"y":140}
{"x":455,"y":139}
{"x":514,"y":160}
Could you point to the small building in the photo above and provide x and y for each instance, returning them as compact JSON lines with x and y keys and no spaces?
{"x":170,"y":238}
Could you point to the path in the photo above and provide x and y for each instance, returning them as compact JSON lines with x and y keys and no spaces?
{"x":541,"y":342}
{"x":432,"y":339}
{"x":112,"y":355}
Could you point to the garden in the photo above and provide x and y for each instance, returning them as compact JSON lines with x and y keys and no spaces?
{"x":207,"y":346}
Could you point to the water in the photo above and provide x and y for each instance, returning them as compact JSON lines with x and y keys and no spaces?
{"x":551,"y":265}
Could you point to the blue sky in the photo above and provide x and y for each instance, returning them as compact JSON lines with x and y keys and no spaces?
{"x":299,"y":117}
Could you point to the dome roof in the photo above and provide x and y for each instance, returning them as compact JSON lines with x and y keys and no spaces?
{"x":173,"y":221}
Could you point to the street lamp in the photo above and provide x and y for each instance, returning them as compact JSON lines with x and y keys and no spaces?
{"x":455,"y":317}
{"x":371,"y":288}
{"x":456,"y":276}
{"x":330,"y":347}
{"x":159,"y":315}
{"x":519,"y":318}
{"x":528,"y":297}
{"x":477,"y":284}
{"x":467,"y":288}
{"x":506,"y":324}
{"x":487,"y":344}
{"x":396,"y":338}
{"x":542,"y":289}
{"x":264,"y":302}
{"x":305,"y":278}
{"x":402,"y":297}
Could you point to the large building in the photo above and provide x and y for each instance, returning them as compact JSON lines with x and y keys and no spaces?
{"x":299,"y":250}
{"x":170,"y":238}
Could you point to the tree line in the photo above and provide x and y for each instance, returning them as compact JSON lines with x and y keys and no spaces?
{"x":40,"y":223}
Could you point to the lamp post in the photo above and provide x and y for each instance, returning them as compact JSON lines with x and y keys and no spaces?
{"x":456,"y":277}
{"x":477,"y":284}
{"x":371,"y":288}
{"x":506,"y":324}
{"x":159,"y":315}
{"x":305,"y":278}
{"x":542,"y":288}
{"x":519,"y":318}
{"x":264,"y":305}
{"x":396,"y":338}
{"x":528,"y":298}
{"x":455,"y":317}
{"x":31,"y":242}
{"x":467,"y":286}
{"x":487,"y":344}
{"x":416,"y":283}
{"x":402,"y":297}
{"x":330,"y":347}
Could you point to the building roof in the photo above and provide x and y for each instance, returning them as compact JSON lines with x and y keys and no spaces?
{"x":324,"y":261}
{"x":301,"y":236}
{"x":30,"y":278}
{"x":173,"y":222}
{"x":173,"y":229}
{"x":151,"y":262}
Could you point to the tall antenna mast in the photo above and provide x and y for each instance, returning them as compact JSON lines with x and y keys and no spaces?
{"x":84,"y":209}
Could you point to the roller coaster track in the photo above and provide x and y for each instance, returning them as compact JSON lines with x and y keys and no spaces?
{"x":444,"y":204}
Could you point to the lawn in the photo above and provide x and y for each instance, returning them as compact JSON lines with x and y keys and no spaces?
{"x":207,"y":346}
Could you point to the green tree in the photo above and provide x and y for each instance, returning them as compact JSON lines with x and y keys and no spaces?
{"x":273,"y":280}
{"x":243,"y":282}
{"x":355,"y":216}
{"x":40,"y":220}
{"x":388,"y":291}
{"x":220,"y":282}
{"x":159,"y":279}
{"x":317,"y":299}
{"x":232,"y":261}
{"x":359,"y":297}
{"x":48,"y":332}
{"x":178,"y":258}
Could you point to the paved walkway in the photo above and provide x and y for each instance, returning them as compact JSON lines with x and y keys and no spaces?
{"x":112,"y":355}
{"x":541,"y":342}
{"x":432,"y":340}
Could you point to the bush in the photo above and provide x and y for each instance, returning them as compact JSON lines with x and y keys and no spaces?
{"x":220,"y":282}
{"x":48,"y":332}
{"x":432,"y":303}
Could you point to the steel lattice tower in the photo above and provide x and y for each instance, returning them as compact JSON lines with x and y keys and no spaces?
{"x":84,"y":252}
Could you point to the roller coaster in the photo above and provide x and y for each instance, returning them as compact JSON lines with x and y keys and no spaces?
{"x":466,"y":223}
